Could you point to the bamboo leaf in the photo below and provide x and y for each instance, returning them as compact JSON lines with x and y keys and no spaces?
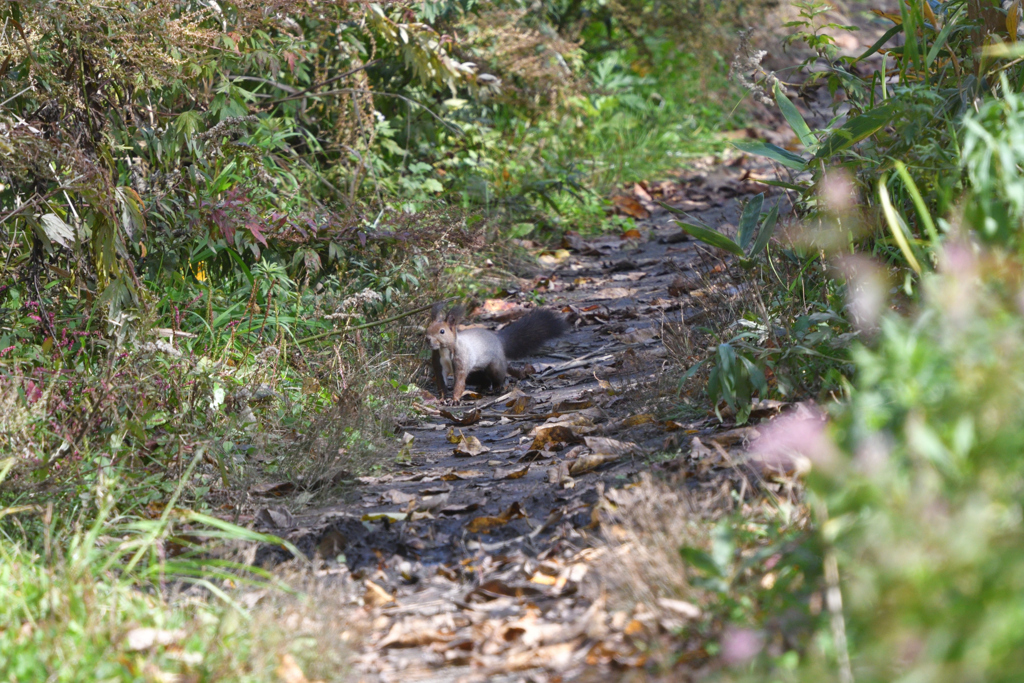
{"x":715,"y":239}
{"x":767,"y":228}
{"x":886,"y":37}
{"x":748,"y":221}
{"x":795,"y":120}
{"x":856,"y":129}
{"x":766,"y":149}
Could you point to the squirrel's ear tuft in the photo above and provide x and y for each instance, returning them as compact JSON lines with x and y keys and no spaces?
{"x":456,"y":314}
{"x":437,"y":312}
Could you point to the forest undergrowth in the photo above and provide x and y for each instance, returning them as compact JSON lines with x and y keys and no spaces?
{"x":219,"y":222}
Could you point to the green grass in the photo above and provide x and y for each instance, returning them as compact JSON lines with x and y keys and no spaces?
{"x":99,"y":600}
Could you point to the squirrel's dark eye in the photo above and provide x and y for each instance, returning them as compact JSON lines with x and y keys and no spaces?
{"x":442,"y":331}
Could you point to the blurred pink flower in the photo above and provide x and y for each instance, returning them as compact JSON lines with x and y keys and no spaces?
{"x":740,"y":645}
{"x":794,"y":442}
{"x":867,"y":290}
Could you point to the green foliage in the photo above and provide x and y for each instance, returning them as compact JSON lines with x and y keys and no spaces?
{"x":97,"y":609}
{"x":993,"y":148}
{"x":735,"y":380}
{"x":751,"y":223}
{"x":921,"y":502}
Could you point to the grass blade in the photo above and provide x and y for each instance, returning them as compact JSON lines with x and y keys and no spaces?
{"x":922,"y":210}
{"x":892,"y":219}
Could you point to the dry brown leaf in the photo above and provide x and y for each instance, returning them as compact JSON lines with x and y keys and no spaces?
{"x":376,"y":596}
{"x":553,"y":258}
{"x":279,"y":488}
{"x":633,"y":233}
{"x":559,"y":476}
{"x":630,"y":207}
{"x":465,"y":420}
{"x":511,"y":472}
{"x":478,"y":524}
{"x":543,"y":579}
{"x":469,"y":446}
{"x":414,"y":633}
{"x":289,"y":670}
{"x":641,"y":193}
{"x":553,"y":435}
{"x":557,"y":657}
{"x":519,"y":403}
{"x":604,"y":451}
{"x":495,"y":588}
{"x":497,"y":307}
{"x":458,"y":475}
{"x":571,"y":406}
{"x":397,"y":497}
{"x":735,"y":437}
{"x":275,"y":518}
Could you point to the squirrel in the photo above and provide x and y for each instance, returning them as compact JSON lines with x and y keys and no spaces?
{"x":458,"y":354}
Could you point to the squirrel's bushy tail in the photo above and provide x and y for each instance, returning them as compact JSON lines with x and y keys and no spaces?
{"x":529,"y":333}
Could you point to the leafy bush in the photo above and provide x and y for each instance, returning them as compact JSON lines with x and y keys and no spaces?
{"x":923,"y":504}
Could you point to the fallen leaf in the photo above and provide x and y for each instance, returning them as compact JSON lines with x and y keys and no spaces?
{"x":275,"y":518}
{"x":280,"y":488}
{"x":633,"y":233}
{"x":461,"y":509}
{"x":464,"y":420}
{"x":469,"y":446}
{"x":459,"y":475}
{"x":554,"y":258}
{"x":630,"y":207}
{"x":571,"y":405}
{"x":478,"y":524}
{"x":397,"y":497}
{"x":496,"y":588}
{"x":497,"y":307}
{"x":289,"y":670}
{"x":543,"y":579}
{"x":376,"y":596}
{"x":393,"y":516}
{"x":511,"y":473}
{"x":556,"y":434}
{"x":414,"y":633}
{"x":640,"y":193}
{"x":604,"y":451}
{"x":520,"y":403}
{"x":734,"y":437}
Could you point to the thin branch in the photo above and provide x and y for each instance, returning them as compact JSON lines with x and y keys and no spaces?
{"x":299,"y":94}
{"x":375,"y":323}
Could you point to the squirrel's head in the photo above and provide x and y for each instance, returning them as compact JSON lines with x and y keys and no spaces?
{"x":443,"y":329}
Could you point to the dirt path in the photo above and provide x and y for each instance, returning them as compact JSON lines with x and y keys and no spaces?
{"x":472,"y":567}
